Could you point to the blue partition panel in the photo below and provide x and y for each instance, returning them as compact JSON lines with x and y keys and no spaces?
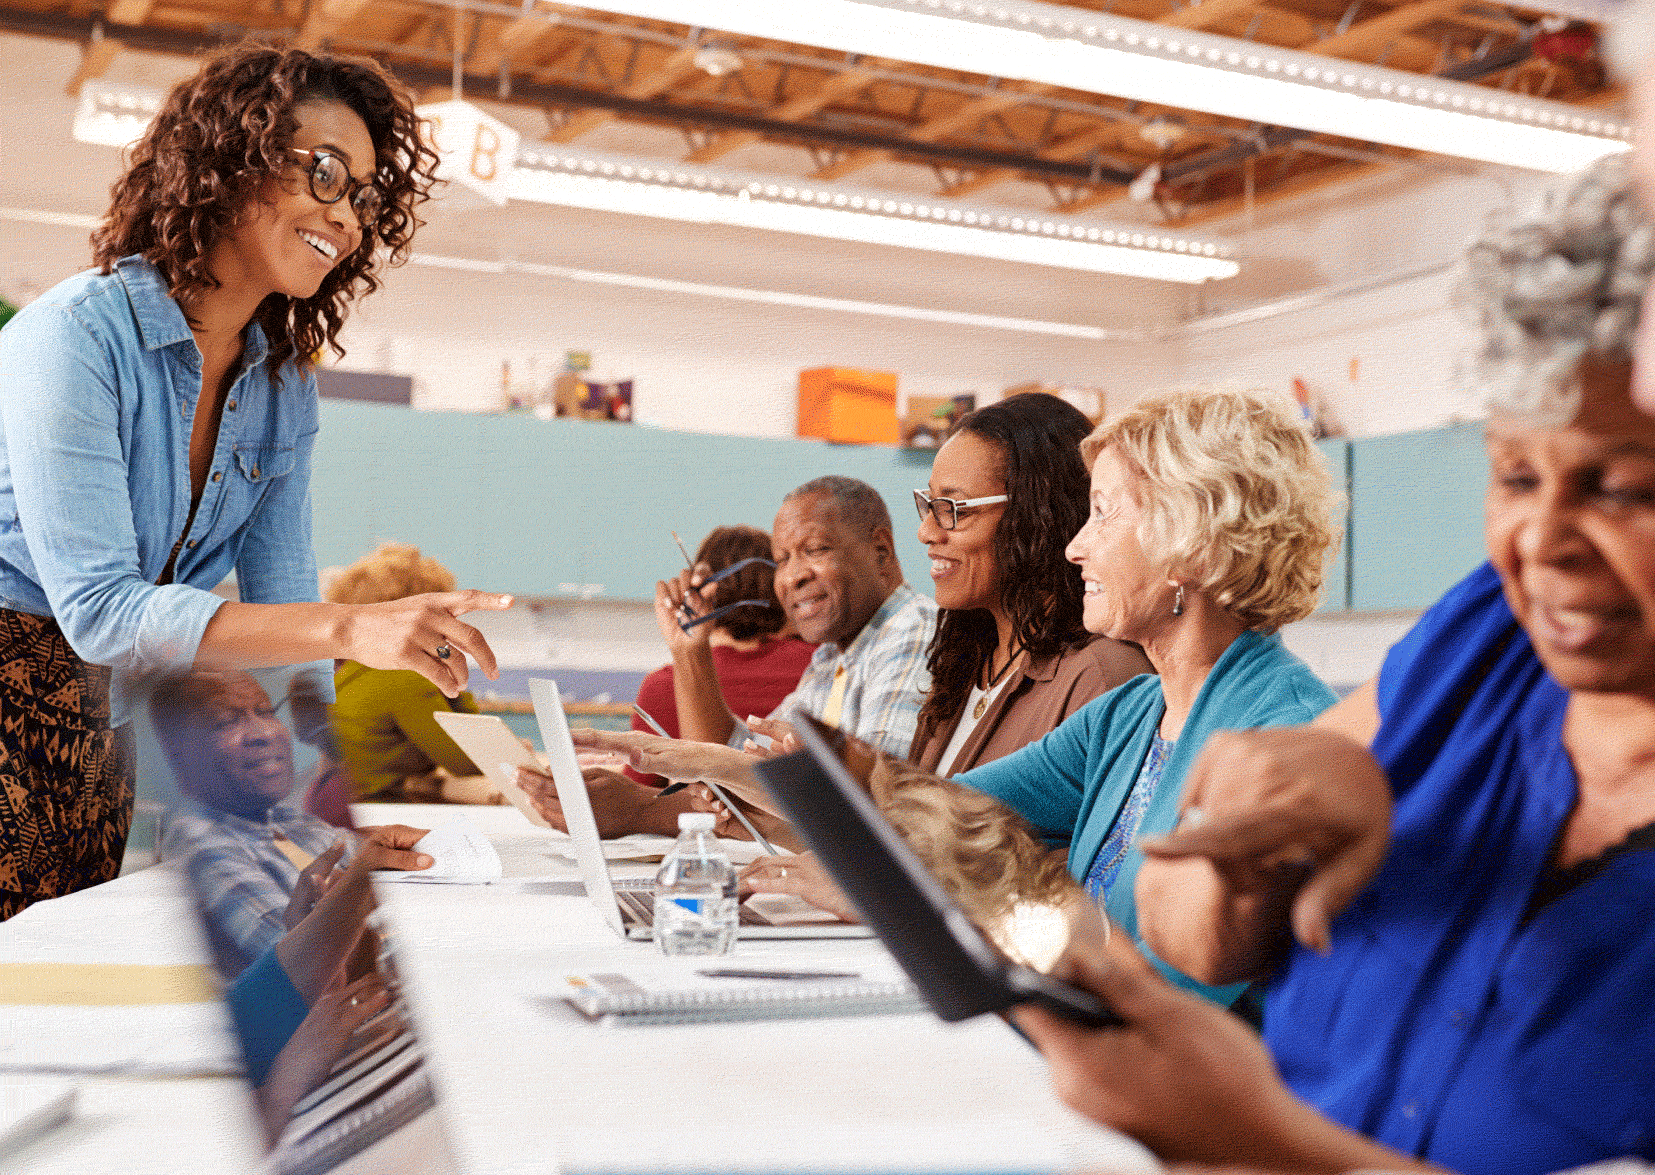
{"x":568,"y":507}
{"x":1336,"y":582}
{"x":1416,"y":515}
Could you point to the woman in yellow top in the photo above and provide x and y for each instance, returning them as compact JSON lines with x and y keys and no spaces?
{"x":384,"y":731}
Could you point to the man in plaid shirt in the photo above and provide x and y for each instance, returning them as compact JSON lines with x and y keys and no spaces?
{"x":235,"y":831}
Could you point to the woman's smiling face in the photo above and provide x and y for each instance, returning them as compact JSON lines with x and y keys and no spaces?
{"x":964,"y":569}
{"x":287,"y":241}
{"x":1570,"y":524}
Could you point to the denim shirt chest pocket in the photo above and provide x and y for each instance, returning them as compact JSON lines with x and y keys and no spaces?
{"x":258,"y":466}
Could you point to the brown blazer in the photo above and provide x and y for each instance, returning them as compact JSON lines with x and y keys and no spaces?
{"x":1039,"y":696}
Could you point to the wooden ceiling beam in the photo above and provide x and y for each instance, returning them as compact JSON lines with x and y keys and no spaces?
{"x":133,"y":12}
{"x":929,"y":131}
{"x":520,"y":39}
{"x":326,"y":18}
{"x":674,"y":69}
{"x":1204,"y":15}
{"x":797,"y":108}
{"x":1368,"y":37}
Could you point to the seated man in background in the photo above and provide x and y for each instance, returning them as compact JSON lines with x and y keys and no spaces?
{"x":839,"y":582}
{"x":235,"y":831}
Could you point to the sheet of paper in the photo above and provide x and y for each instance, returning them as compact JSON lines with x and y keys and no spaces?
{"x":460,"y":853}
{"x":106,"y":983}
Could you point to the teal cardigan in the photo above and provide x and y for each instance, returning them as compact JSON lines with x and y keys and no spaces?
{"x":1071,"y":784}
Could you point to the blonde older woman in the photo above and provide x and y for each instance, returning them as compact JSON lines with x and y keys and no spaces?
{"x":1211,"y":517}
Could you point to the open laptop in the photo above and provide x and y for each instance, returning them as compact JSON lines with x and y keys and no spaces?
{"x":629,"y":908}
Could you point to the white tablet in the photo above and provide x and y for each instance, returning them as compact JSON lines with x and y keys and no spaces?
{"x":490,"y":744}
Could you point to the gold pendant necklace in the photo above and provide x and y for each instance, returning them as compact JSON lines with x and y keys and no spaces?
{"x":982,"y":702}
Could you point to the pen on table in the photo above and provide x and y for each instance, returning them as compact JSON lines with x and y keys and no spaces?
{"x":741,"y":973}
{"x":671,"y":788}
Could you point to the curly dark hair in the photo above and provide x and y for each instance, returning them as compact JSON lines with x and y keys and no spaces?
{"x":1038,"y":437}
{"x":726,"y":546}
{"x":219,"y":137}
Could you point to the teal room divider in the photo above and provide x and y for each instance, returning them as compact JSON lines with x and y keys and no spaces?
{"x":568,"y":507}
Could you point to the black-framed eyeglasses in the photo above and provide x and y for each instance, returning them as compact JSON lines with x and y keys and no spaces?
{"x":946,"y":511}
{"x":689,"y":622}
{"x":331,"y":181}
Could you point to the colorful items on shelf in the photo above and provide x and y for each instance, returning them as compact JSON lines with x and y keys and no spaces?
{"x":928,"y":421}
{"x":586,"y":399}
{"x":848,"y":406}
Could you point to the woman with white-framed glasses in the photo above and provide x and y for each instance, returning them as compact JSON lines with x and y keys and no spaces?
{"x":1011,"y":658}
{"x":157,"y":414}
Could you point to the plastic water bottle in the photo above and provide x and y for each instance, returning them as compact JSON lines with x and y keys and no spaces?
{"x":695,"y":893}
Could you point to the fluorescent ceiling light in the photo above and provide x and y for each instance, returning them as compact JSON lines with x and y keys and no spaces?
{"x":113,"y":114}
{"x":1069,"y":330}
{"x":648,"y":187}
{"x":1086,"y":50}
{"x":782,"y":298}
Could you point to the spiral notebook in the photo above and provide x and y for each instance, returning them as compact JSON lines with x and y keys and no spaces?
{"x":712,"y":988}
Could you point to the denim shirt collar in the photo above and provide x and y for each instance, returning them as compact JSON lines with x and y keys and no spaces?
{"x":161,"y":321}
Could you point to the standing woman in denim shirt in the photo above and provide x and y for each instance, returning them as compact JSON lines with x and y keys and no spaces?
{"x":157,"y":416}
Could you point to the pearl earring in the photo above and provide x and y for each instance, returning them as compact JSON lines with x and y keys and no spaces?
{"x":1178,"y":602}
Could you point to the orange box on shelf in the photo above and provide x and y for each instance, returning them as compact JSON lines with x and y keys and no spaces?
{"x":848,"y":406}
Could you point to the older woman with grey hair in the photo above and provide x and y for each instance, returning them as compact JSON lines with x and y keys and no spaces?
{"x":1464,"y":848}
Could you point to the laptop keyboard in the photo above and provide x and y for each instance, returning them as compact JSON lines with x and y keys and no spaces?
{"x":639,"y":906}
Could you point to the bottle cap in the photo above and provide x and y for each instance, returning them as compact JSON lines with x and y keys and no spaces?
{"x":695,"y":822}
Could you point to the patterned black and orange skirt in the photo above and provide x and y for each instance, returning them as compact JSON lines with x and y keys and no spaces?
{"x":66,"y":777}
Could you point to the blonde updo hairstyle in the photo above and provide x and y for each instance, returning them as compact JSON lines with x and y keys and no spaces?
{"x":1235,"y":498}
{"x":392,"y":572}
{"x":1555,"y":284}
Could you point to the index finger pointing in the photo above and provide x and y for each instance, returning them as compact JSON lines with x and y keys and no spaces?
{"x":472,"y":600}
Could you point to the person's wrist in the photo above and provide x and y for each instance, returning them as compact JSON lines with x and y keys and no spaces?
{"x":340,"y":626}
{"x":658,"y":814}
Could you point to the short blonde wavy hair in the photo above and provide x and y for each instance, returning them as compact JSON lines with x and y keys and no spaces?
{"x":1234,"y":496}
{"x":393,"y":571}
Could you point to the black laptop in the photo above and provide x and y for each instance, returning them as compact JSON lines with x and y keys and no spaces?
{"x":958,"y":971}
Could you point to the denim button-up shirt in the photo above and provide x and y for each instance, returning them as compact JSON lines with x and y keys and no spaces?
{"x":99,"y":382}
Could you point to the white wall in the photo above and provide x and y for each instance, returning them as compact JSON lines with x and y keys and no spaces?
{"x":1383,"y":360}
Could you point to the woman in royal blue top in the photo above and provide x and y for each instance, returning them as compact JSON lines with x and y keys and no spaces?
{"x":156,"y":421}
{"x":1473,"y":990}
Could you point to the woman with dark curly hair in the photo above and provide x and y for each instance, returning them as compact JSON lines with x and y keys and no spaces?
{"x":1011,"y":658}
{"x":156,"y":421}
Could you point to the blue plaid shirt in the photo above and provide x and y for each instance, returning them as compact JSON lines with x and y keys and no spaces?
{"x":241,"y":879}
{"x":888,"y":677}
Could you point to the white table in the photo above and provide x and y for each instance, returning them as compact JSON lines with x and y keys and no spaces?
{"x":525,"y":1083}
{"x":130,"y":1116}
